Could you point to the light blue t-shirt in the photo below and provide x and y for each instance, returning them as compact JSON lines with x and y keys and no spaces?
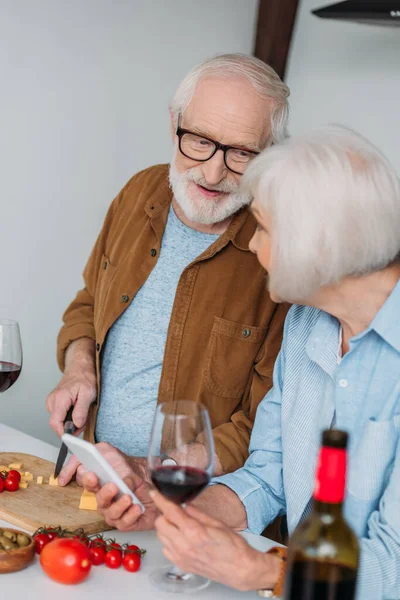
{"x":134,"y":349}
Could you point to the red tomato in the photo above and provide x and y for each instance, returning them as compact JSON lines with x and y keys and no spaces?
{"x":133,"y":547}
{"x":97,"y":554}
{"x":1,"y":484}
{"x":66,"y":561}
{"x":113,"y":559}
{"x":132,"y":562}
{"x":11,"y":484}
{"x":41,"y":540}
{"x":52,"y":534}
{"x":15,"y":474}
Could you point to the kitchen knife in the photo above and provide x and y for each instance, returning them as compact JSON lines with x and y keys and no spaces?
{"x":69,"y":427}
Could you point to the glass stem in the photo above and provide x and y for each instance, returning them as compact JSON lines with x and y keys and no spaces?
{"x":177,"y":574}
{"x":174,"y":572}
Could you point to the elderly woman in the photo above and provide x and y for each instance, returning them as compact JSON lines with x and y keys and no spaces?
{"x":328,"y":212}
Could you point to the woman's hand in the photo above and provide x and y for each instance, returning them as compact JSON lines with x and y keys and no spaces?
{"x":197,"y":543}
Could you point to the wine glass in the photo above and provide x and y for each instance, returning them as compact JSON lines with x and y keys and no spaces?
{"x":10,"y":353}
{"x":178,"y":429}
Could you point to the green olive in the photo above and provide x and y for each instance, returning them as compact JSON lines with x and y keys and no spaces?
{"x":4,"y":539}
{"x":23,"y":540}
{"x":10,"y":535}
{"x":8,"y":545}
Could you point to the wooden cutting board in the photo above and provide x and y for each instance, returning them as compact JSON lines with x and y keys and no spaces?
{"x":39,"y":505}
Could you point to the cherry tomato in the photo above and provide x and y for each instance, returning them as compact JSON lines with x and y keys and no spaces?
{"x":116,"y":546}
{"x":132,"y":562}
{"x":113,"y":559}
{"x":97,"y":554}
{"x":82,"y":539}
{"x":11,"y":484}
{"x":15,"y":474}
{"x":52,"y":534}
{"x":133,"y":547}
{"x":1,"y":484}
{"x":41,"y":540}
{"x":66,"y":561}
{"x":97,"y":541}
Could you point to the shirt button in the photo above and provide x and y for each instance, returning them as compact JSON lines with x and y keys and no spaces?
{"x":153,"y":252}
{"x":97,"y":347}
{"x":246,"y":333}
{"x":343,"y":383}
{"x":125,"y":299}
{"x":105,"y":265}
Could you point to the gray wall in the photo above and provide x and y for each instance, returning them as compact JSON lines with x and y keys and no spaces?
{"x":346,"y":73}
{"x":84,"y":92}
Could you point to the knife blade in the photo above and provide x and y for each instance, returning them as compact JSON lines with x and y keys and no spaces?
{"x":69,"y":427}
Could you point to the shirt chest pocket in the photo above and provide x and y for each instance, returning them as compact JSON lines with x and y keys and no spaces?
{"x":372,"y":463}
{"x":105,"y":276}
{"x":231,"y":354}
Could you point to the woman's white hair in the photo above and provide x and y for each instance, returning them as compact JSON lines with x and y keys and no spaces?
{"x":263,"y":78}
{"x":334,"y":204}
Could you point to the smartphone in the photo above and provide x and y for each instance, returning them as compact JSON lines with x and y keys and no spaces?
{"x":95,"y":462}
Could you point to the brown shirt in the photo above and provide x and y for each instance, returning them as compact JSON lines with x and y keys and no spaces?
{"x":224,"y":332}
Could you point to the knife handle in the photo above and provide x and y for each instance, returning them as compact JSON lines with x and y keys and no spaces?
{"x":69,"y":426}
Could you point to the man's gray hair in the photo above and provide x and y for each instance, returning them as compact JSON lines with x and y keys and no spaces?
{"x":334,"y":204}
{"x":265,"y":81}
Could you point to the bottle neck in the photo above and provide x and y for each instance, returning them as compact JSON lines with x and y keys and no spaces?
{"x":328,"y":509}
{"x":330,"y":480}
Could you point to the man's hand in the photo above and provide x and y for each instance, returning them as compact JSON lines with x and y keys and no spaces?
{"x":123,"y":464}
{"x":77,"y":387}
{"x":120,"y":514}
{"x":199,"y":544}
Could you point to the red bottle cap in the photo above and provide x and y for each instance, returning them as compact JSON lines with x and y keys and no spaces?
{"x":331,"y":475}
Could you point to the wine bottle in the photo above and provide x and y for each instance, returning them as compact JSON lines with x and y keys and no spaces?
{"x":323,"y":550}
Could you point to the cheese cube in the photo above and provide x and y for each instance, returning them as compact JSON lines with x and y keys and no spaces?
{"x":15,"y":466}
{"x":39,"y":480}
{"x":28,"y":476}
{"x":88,"y":501}
{"x":23,"y":484}
{"x":53,"y":481}
{"x":3,"y":468}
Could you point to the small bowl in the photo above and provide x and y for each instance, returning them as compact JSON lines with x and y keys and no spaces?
{"x":18,"y":558}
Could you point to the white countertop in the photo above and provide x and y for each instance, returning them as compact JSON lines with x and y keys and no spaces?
{"x":34,"y":584}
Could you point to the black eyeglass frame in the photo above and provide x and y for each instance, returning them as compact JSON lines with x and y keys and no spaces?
{"x":180,"y":132}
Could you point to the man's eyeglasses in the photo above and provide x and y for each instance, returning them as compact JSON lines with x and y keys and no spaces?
{"x":200,"y":148}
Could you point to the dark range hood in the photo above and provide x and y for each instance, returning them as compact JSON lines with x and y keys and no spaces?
{"x":373,"y":12}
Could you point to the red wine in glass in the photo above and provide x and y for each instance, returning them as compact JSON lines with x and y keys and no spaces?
{"x":180,"y":484}
{"x":9,"y":373}
{"x":179,"y":428}
{"x":10,"y":353}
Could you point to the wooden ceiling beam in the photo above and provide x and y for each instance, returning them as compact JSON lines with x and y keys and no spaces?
{"x":276,"y":20}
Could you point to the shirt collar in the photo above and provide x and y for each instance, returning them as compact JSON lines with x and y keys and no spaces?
{"x":387,"y":321}
{"x":160,"y":199}
{"x":322,"y":344}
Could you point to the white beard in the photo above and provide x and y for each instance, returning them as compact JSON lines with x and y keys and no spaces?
{"x":207,"y":211}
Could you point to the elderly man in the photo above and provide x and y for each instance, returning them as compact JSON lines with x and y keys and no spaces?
{"x":175,"y":305}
